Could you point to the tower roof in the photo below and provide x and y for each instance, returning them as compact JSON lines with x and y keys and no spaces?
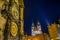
{"x":38,"y":23}
{"x":33,"y":24}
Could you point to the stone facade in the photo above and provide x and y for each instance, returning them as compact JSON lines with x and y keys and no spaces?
{"x":11,"y":10}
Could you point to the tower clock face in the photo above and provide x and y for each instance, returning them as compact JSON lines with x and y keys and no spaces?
{"x":15,"y":11}
{"x":14,"y":29}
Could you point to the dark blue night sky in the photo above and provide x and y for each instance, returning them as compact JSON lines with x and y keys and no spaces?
{"x":46,"y":11}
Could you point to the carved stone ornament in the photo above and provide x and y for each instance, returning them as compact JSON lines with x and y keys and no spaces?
{"x":14,"y":29}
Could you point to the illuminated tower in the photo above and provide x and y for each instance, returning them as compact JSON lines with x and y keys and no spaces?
{"x":21,"y":17}
{"x":21,"y":6}
{"x":32,"y":29}
{"x":18,"y":14}
{"x":39,"y":31}
{"x":2,"y":23}
{"x":52,"y":31}
{"x":13,"y":12}
{"x":36,"y":29}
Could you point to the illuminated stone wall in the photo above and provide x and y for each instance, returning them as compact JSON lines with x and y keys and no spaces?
{"x":11,"y":11}
{"x":52,"y":29}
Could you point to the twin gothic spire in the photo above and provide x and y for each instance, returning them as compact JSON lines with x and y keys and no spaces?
{"x":36,"y":29}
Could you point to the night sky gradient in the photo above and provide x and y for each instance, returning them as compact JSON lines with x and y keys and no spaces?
{"x":46,"y":11}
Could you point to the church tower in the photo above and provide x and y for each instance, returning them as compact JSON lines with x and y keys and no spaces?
{"x":36,"y":29}
{"x":32,"y":29}
{"x":39,"y":30}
